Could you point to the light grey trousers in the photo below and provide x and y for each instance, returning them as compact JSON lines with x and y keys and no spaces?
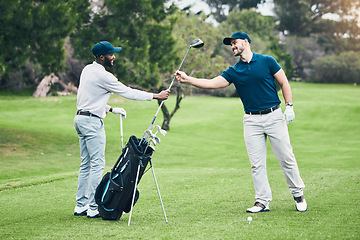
{"x":92,"y":141}
{"x":257,"y":128}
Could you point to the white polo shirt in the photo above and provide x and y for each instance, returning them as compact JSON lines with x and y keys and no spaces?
{"x":96,"y":86}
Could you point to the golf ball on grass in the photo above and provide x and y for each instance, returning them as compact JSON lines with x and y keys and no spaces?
{"x":249,"y":219}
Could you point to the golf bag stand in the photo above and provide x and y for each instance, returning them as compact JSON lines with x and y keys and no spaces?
{"x":157,"y":187}
{"x":134,"y":193}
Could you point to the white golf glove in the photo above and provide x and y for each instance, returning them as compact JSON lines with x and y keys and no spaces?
{"x":120,"y":111}
{"x":289,"y":114}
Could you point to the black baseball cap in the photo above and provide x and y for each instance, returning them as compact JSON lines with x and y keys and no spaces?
{"x":236,"y":35}
{"x":103,"y":48}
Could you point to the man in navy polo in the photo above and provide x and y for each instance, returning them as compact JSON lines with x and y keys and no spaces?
{"x":254,"y":77}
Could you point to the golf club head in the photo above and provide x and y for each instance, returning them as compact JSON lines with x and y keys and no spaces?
{"x":153,"y":141}
{"x":152,"y":147}
{"x":158,"y":129}
{"x":197,"y":43}
{"x":148,"y":134}
{"x":157,"y":139}
{"x":163,"y":132}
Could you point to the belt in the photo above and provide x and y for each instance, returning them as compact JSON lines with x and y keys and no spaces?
{"x":265,"y":111}
{"x":86,"y":113}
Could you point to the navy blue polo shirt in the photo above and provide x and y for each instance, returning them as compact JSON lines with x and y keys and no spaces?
{"x":255,"y":82}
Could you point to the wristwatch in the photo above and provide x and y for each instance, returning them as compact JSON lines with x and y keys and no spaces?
{"x":289,"y":104}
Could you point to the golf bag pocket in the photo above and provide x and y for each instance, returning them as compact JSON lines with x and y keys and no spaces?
{"x":106,"y":189}
{"x":109,"y":193}
{"x":101,"y":190}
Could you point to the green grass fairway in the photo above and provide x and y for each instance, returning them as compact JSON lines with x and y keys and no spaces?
{"x":201,"y":166}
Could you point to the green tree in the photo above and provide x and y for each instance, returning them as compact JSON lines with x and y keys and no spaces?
{"x":202,"y":62}
{"x":139,"y":27}
{"x":304,"y":50}
{"x":306,"y":17}
{"x":311,"y":33}
{"x":220,"y":8}
{"x":339,"y":68}
{"x":35,"y":31}
{"x":303,"y":17}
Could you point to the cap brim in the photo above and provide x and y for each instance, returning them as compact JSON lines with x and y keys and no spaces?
{"x":116,"y":49}
{"x":227,"y":41}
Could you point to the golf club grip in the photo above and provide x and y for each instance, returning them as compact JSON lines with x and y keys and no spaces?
{"x":121,"y":133}
{"x":152,"y":122}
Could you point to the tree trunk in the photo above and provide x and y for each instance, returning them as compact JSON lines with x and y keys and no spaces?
{"x":167,"y":116}
{"x":44,"y":86}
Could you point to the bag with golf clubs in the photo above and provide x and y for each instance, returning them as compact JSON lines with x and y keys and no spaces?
{"x":114,"y":193}
{"x":117,"y":192}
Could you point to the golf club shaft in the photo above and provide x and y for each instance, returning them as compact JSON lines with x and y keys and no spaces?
{"x":172,"y":82}
{"x":121,"y":133}
{"x":179,"y":67}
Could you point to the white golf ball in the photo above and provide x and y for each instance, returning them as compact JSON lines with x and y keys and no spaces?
{"x":249,"y":219}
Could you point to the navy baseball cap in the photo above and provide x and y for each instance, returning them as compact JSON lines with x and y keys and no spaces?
{"x":236,"y":35}
{"x":103,"y":48}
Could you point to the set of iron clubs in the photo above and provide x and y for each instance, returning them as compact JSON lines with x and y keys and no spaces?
{"x":151,"y":138}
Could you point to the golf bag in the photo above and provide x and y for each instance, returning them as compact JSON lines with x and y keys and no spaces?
{"x":115,"y":191}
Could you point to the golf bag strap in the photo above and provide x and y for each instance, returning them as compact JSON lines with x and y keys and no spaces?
{"x":123,"y":154}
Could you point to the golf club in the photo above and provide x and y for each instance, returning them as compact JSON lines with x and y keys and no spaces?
{"x":197,"y":43}
{"x":148,"y":135}
{"x":151,"y":138}
{"x":121,"y":132}
{"x":153,"y":141}
{"x":159,"y":129}
{"x":157,"y":140}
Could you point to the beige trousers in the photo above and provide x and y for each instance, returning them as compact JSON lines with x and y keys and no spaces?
{"x":257,"y":128}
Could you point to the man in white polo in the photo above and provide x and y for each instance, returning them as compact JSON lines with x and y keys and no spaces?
{"x":95,"y":88}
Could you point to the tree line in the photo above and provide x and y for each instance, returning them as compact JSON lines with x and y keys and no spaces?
{"x":313,"y":40}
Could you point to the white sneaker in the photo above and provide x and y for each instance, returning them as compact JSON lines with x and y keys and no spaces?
{"x":93,"y":213}
{"x":300,"y":202}
{"x":258,"y":207}
{"x":81,"y":211}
